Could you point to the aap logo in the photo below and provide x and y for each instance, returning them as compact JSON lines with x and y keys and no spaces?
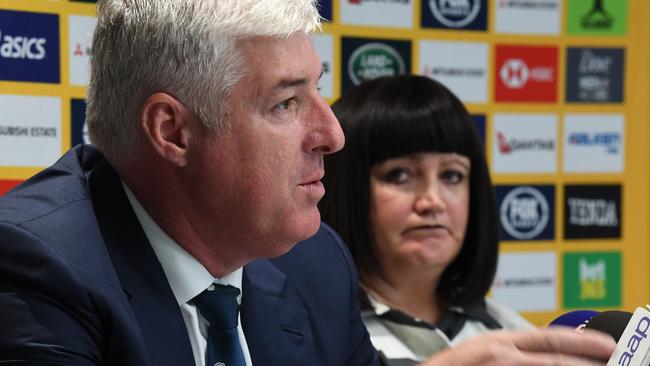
{"x":526,"y":212}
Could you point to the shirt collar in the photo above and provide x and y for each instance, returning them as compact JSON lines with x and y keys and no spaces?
{"x":186,"y":275}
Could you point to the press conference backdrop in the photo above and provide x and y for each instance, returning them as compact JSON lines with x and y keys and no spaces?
{"x":558,"y":89}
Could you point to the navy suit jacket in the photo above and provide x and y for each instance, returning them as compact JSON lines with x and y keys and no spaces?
{"x":81,"y":285}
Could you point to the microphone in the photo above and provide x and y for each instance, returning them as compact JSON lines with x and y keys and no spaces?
{"x":576,"y":319}
{"x":631,"y":333}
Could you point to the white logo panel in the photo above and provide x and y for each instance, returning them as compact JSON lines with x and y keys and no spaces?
{"x":377,"y":13}
{"x":30,"y":130}
{"x":324,"y":45}
{"x":460,"y":66}
{"x":80,"y":33}
{"x":526,"y":281}
{"x":528,"y":16}
{"x":525,"y":143}
{"x":594,"y":143}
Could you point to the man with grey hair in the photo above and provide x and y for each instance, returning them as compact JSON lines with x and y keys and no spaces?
{"x":210,"y":135}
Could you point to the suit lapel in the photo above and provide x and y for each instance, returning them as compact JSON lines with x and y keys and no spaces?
{"x":142,"y":277}
{"x":277,"y":330}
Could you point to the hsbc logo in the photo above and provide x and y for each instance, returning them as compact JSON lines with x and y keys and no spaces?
{"x":515,"y":74}
{"x":527,"y":74}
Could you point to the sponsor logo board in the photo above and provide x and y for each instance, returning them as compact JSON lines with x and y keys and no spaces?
{"x":366,"y":59}
{"x":595,"y":75}
{"x":597,"y":17}
{"x":460,"y":66}
{"x":323,"y":44}
{"x":79,"y":129}
{"x":526,"y":212}
{"x":30,"y":130}
{"x":80,"y":30}
{"x":594,"y":143}
{"x":479,"y":123}
{"x":524,"y":143}
{"x":7,"y":185}
{"x":592,"y":279}
{"x":377,"y":13}
{"x":526,"y":281}
{"x":325,"y":9}
{"x":454,"y":14}
{"x":528,"y":16}
{"x":526,"y":73}
{"x":592,"y":211}
{"x":29,"y":47}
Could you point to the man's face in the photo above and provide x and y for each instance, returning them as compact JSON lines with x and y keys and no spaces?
{"x":258,"y":185}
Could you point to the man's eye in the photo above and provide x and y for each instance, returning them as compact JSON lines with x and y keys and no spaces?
{"x":283,"y":106}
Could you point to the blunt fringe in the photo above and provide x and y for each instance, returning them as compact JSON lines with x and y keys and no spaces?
{"x":396,"y":116}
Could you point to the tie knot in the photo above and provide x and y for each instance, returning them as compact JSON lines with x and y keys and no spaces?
{"x":219,"y":306}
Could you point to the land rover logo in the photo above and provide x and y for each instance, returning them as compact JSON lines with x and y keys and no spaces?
{"x":455,"y":13}
{"x":524,"y":213}
{"x":374,"y":60}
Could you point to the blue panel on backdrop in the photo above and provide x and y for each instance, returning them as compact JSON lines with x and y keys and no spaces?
{"x":29,"y":47}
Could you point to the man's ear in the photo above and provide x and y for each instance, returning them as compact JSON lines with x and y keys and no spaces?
{"x":166,"y":125}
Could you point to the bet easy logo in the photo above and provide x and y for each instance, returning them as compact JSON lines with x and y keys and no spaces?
{"x":29,"y":47}
{"x":526,"y":74}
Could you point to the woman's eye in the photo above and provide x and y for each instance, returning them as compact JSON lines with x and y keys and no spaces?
{"x":453,"y":176}
{"x":397,"y":175}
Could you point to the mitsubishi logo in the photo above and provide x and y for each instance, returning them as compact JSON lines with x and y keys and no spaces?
{"x":514,"y":73}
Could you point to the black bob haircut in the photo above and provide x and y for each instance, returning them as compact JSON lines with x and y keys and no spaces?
{"x":395,"y":116}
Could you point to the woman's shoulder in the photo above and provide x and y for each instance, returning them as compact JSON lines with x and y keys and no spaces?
{"x":505,"y":315}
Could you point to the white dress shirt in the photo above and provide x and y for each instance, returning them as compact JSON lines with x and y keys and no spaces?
{"x":187,"y":278}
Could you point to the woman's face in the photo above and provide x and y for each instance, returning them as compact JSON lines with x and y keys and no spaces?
{"x":419,"y":209}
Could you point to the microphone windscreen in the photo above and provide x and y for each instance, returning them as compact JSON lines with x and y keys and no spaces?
{"x":573,"y":319}
{"x":612,"y":322}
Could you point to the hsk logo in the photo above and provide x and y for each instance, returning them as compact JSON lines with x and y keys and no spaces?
{"x":29,"y":47}
{"x":367,"y":59}
{"x":526,"y":212}
{"x":526,"y":74}
{"x":454,"y":14}
{"x":595,"y":75}
{"x":592,"y":211}
{"x":592,"y":279}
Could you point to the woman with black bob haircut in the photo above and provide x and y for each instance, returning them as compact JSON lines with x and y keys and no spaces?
{"x":411,"y":195}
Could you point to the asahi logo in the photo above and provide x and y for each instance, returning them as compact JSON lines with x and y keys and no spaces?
{"x":374,"y":60}
{"x":455,"y":13}
{"x":524,"y":213}
{"x":592,"y":212}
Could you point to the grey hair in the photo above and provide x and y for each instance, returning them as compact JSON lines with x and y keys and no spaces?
{"x":186,"y":48}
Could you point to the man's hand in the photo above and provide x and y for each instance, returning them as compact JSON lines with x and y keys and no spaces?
{"x":540,"y":347}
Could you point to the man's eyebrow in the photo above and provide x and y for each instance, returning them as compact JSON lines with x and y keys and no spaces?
{"x":289,"y":83}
